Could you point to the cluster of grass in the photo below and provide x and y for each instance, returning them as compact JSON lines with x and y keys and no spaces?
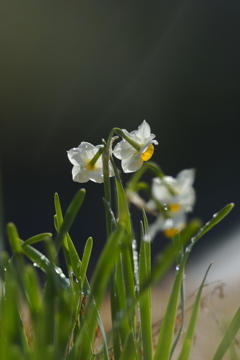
{"x":61,"y":319}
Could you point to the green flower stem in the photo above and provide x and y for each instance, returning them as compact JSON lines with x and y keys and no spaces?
{"x":179,"y":258}
{"x":93,"y":161}
{"x":127,"y":138}
{"x":107,"y":186}
{"x":150,"y":165}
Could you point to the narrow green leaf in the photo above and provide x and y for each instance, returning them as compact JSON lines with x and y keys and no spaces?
{"x":76,"y":265}
{"x":214,"y":221}
{"x":43,"y":263}
{"x":188,"y":340}
{"x":32,"y":289}
{"x":85,"y":259}
{"x":123,"y":211}
{"x":98,"y":285}
{"x":121,"y":301}
{"x":126,"y":248}
{"x":14,"y":238}
{"x":145,"y":301}
{"x":69,"y":217}
{"x":114,"y":314}
{"x":166,"y":259}
{"x":129,"y":350}
{"x":36,"y":238}
{"x":74,"y":259}
{"x":228,"y":337}
{"x":163,"y":348}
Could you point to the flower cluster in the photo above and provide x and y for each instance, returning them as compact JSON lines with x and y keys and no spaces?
{"x":134,"y":148}
{"x":174,"y":197}
{"x":171,"y":198}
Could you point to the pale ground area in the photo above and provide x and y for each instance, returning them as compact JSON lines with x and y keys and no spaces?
{"x":220,"y":299}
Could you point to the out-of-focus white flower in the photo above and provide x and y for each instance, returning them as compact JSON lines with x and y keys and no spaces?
{"x":177,"y":194}
{"x":84,"y":169}
{"x":135,"y":148}
{"x":170,"y":226}
{"x":176,"y":197}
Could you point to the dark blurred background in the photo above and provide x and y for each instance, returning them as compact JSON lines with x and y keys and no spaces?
{"x":73,"y":70}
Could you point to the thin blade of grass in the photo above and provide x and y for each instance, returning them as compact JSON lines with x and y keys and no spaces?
{"x":163,"y":349}
{"x":228,"y":337}
{"x":126,"y":248}
{"x":76,"y":265}
{"x":85,"y":259}
{"x":129,"y":350}
{"x":164,"y":262}
{"x":14,"y":238}
{"x":123,"y":211}
{"x":98,"y":285}
{"x":188,"y":339}
{"x":145,"y":301}
{"x":214,"y":221}
{"x":121,"y":300}
{"x":36,"y":238}
{"x":43,"y":263}
{"x":167,"y":258}
{"x":69,"y":217}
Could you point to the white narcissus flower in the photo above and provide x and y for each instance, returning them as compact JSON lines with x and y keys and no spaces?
{"x":132,"y":157}
{"x":170,"y":226}
{"x":177,"y":196}
{"x":177,"y":193}
{"x":83,"y":170}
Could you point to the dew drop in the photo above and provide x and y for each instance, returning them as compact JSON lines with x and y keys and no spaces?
{"x":215,"y":215}
{"x":58,"y":270}
{"x":134,"y":245}
{"x":177,"y":268}
{"x":36,"y":265}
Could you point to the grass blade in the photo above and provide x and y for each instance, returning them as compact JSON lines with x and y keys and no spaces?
{"x":129,"y":350}
{"x":163,"y":349}
{"x":36,"y":238}
{"x":69,"y":217}
{"x":145,"y":301}
{"x":228,"y":337}
{"x":188,"y":340}
{"x":214,"y":221}
{"x":98,"y":284}
{"x":85,"y":259}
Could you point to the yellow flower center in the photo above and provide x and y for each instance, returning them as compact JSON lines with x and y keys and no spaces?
{"x":174,"y":207}
{"x":148,"y":153}
{"x":90,"y":166}
{"x":170,"y":232}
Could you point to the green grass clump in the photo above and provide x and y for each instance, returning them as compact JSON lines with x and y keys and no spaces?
{"x":61,"y":319}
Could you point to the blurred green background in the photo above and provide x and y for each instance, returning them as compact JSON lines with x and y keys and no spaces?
{"x":73,"y":70}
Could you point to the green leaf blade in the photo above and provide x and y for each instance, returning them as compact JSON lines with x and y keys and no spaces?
{"x":228,"y":337}
{"x":188,"y":340}
{"x":69,"y":217}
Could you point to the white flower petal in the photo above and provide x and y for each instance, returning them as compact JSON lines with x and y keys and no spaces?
{"x":123,"y":150}
{"x":86,"y":146}
{"x":96,"y":176}
{"x":80,"y":175}
{"x":143,"y":131}
{"x":131,"y":158}
{"x":80,"y":158}
{"x":131,"y":164}
{"x":186,"y":178}
{"x":181,"y":185}
{"x":154,"y":229}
